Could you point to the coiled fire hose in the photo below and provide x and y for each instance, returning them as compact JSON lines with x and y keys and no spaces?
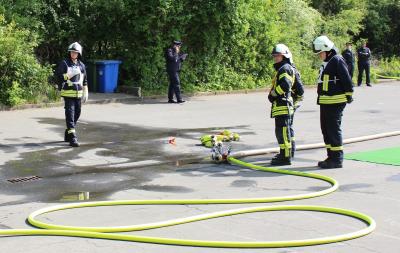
{"x":47,"y":229}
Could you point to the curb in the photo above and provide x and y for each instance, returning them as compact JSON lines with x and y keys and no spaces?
{"x":61,"y":104}
{"x":132,"y":98}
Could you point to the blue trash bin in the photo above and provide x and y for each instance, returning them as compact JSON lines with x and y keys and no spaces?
{"x":107,"y":76}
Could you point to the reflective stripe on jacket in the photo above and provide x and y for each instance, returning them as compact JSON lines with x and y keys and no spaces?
{"x":334,"y":82}
{"x":71,"y":87}
{"x":282,"y":101}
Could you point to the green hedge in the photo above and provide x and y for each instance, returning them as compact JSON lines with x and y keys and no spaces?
{"x":22,"y":78}
{"x":389,"y":67}
{"x":228,"y":41}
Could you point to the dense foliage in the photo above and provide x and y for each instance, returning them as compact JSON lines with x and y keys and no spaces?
{"x":228,"y":41}
{"x":22,"y":78}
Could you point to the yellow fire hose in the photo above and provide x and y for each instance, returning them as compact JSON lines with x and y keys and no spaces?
{"x":385,"y":77}
{"x":112,"y":232}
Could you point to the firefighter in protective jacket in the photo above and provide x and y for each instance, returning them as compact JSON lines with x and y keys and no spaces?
{"x":335,"y":90}
{"x":282,"y":107}
{"x":72,"y":82}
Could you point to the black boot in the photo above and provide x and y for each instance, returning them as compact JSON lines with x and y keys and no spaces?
{"x":73,"y":140}
{"x":322,"y":162}
{"x":66,"y":136}
{"x":280,"y":160}
{"x":330,"y":164}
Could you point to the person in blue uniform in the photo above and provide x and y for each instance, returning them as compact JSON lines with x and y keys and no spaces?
{"x":364,"y":56}
{"x":348,"y":56}
{"x":174,"y":59}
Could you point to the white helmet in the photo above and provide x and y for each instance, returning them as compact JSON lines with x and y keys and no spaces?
{"x":282,"y":49}
{"x":322,"y":43}
{"x":75,"y":47}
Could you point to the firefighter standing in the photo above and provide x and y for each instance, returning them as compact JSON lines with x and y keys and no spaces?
{"x":72,"y":82}
{"x":297,"y":95}
{"x":348,"y":56}
{"x":335,"y":89}
{"x":174,"y":59}
{"x":282,"y":103}
{"x":364,"y":55}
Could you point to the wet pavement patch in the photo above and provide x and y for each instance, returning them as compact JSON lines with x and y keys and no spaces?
{"x":64,"y":170}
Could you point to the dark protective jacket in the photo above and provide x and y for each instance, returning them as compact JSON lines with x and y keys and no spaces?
{"x":281,"y":90}
{"x":364,"y":55}
{"x":334,"y":82}
{"x":173,"y":60}
{"x":348,"y":56}
{"x":71,"y":87}
{"x":298,"y":87}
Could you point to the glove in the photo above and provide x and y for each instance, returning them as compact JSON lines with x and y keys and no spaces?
{"x":73,"y":72}
{"x":349,"y":99}
{"x":296,"y":105}
{"x":85,"y":96}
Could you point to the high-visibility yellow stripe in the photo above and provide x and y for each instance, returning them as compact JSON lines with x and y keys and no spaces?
{"x":279,"y":90}
{"x":332,"y":102}
{"x":325,"y":83}
{"x":286,"y":141}
{"x":70,"y":131}
{"x":279,"y":108}
{"x":339,"y":148}
{"x":333,"y":97}
{"x":72,"y":93}
{"x":349,"y":93}
{"x":336,"y":99}
{"x":291,"y":79}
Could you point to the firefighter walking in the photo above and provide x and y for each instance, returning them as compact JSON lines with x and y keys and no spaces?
{"x":72,"y":82}
{"x":335,"y":90}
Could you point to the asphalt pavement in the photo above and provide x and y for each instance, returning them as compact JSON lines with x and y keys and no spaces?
{"x":121,"y":140}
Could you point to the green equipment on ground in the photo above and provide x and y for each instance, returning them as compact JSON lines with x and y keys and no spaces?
{"x":210,"y":141}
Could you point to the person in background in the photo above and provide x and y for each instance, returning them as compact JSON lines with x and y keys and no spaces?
{"x":348,"y":56}
{"x":364,"y":56}
{"x":174,"y":59}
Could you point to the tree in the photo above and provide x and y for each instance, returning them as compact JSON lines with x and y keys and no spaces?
{"x":382,"y":27}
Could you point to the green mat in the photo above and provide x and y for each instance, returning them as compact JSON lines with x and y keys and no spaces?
{"x":389,"y":156}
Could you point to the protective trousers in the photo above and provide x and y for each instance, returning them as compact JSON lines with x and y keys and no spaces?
{"x":363,"y":66}
{"x":283,"y":136}
{"x":174,"y":86}
{"x":292,"y":137}
{"x":331,"y":120}
{"x":72,"y":113}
